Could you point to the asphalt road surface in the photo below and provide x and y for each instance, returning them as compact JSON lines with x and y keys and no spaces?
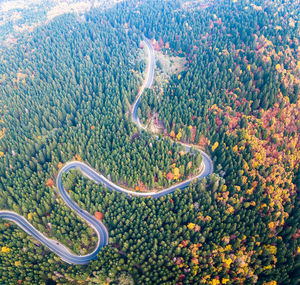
{"x":56,"y":247}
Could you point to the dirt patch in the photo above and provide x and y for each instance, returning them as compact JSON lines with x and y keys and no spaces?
{"x":156,"y":126}
{"x":167,"y":65}
{"x":170,"y":64}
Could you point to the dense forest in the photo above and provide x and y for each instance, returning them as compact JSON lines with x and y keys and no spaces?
{"x":66,"y":92}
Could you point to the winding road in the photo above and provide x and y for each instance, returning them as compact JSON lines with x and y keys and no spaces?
{"x":102,"y":233}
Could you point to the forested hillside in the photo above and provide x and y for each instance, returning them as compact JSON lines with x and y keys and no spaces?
{"x":66,"y":93}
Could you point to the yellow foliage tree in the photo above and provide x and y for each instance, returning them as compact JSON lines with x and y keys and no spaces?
{"x":179,"y":135}
{"x":267,"y":267}
{"x":227,"y":262}
{"x":270,"y":283}
{"x":224,"y":188}
{"x":271,"y":249}
{"x":176,"y":172}
{"x":228,"y":247}
{"x":215,"y":145}
{"x":191,"y":226}
{"x":78,"y":157}
{"x":5,"y":249}
{"x":215,"y":282}
{"x":271,"y":226}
